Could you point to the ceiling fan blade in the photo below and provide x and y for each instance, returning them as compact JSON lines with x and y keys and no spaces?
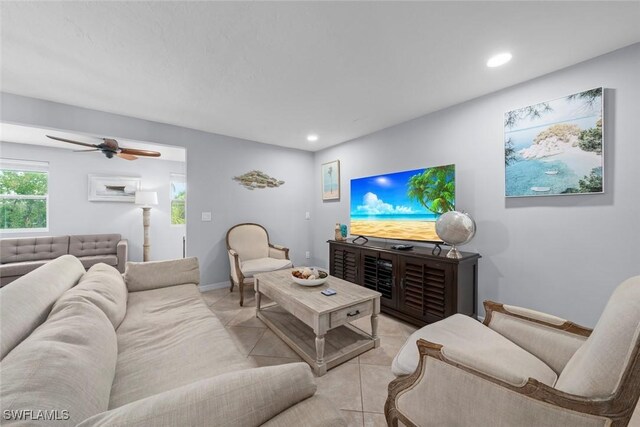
{"x":136,"y":152}
{"x":126,"y":156}
{"x":85,"y":151}
{"x":72,"y":142}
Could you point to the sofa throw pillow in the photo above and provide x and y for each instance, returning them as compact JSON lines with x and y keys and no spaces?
{"x":102,"y":286}
{"x":26,"y":302}
{"x":142,"y":276}
{"x":64,"y":368}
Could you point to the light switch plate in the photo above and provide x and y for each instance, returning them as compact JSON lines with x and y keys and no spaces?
{"x":307,"y":215}
{"x":206,"y":216}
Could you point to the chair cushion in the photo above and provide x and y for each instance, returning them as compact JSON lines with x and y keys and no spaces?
{"x":93,"y":244}
{"x":21,"y":268}
{"x":67,"y":364}
{"x":25,"y":303}
{"x":102,"y":286}
{"x":32,"y":248}
{"x":470,"y":343}
{"x":250,"y":241}
{"x":263,"y":265}
{"x":596,"y":369}
{"x":168,"y":339}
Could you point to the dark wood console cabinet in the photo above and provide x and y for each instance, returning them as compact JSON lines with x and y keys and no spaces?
{"x":416,"y":285}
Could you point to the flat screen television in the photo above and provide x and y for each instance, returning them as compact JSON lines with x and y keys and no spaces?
{"x":402,"y":205}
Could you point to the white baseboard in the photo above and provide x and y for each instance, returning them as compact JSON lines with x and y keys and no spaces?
{"x":212,"y":286}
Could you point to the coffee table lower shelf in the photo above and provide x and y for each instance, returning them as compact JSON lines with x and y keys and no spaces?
{"x":341,"y":344}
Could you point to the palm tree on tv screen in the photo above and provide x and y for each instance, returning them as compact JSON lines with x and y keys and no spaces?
{"x":434,"y":189}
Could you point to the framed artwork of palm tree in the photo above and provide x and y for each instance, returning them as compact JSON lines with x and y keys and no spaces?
{"x":331,"y":180}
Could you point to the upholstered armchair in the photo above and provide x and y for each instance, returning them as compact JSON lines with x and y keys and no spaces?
{"x":250,"y":252}
{"x":521,"y":368}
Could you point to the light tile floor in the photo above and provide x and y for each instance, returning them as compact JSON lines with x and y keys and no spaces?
{"x":358,"y":387}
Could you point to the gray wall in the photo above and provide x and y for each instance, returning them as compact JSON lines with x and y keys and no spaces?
{"x":212,"y":160}
{"x":71,"y":213}
{"x":559,"y":254}
{"x":562,"y":254}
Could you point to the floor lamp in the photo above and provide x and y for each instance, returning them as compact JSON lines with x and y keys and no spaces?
{"x":146,"y":199}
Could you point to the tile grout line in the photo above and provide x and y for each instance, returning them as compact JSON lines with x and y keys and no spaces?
{"x":257,"y":341}
{"x":361,"y":392}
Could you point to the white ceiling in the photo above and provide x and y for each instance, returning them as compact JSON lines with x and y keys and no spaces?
{"x":38,"y":136}
{"x":275,"y":71}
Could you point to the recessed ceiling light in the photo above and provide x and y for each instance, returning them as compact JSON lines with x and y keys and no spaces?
{"x":312,"y":137}
{"x":499,"y":59}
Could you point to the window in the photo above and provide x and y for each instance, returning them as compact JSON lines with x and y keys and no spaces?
{"x":24,"y":195}
{"x":178,"y":199}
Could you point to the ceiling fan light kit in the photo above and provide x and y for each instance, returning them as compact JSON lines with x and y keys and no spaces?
{"x":110,"y":148}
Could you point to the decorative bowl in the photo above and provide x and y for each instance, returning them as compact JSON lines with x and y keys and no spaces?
{"x":319,"y":276}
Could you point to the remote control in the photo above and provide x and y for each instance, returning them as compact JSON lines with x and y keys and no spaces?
{"x":402,"y":247}
{"x":328,"y":292}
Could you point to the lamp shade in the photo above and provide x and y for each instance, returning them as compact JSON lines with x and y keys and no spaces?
{"x":146,"y":198}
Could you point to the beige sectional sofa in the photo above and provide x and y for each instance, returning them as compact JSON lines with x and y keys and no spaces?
{"x":100,"y":348}
{"x":19,"y":256}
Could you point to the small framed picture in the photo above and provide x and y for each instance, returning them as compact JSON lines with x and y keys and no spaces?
{"x":331,"y":180}
{"x":113,"y":188}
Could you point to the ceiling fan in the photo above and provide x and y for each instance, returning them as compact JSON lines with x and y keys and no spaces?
{"x":110,"y":147}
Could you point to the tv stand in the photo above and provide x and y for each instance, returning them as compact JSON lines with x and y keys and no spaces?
{"x":418,"y":286}
{"x":436,"y":249}
{"x":364,"y":240}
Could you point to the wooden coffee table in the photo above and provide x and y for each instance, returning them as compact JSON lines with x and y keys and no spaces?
{"x":316,"y":326}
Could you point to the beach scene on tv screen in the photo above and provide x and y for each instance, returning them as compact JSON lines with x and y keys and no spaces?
{"x":402,"y":205}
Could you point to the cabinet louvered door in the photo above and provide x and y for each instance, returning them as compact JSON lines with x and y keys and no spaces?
{"x":411,"y":287}
{"x":379,"y":274}
{"x":435,"y":290}
{"x":423,"y":289}
{"x":344,"y":264}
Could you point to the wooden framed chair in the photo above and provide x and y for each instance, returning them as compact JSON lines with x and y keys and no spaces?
{"x":250,"y":252}
{"x":521,"y":367}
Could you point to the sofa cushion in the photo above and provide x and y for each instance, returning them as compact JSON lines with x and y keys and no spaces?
{"x":170,"y":338}
{"x":240,"y":399}
{"x":88,"y":261}
{"x":596,"y":369}
{"x":142,"y":276}
{"x":470,"y":343}
{"x":316,"y":411}
{"x":32,"y":248}
{"x":67,"y":364}
{"x":93,"y":244}
{"x":25,"y":303}
{"x":21,"y":268}
{"x":263,"y":265}
{"x":102,"y":286}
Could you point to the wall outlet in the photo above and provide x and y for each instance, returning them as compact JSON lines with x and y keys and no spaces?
{"x":307,"y":255}
{"x":206,"y":216}
{"x":307,"y":215}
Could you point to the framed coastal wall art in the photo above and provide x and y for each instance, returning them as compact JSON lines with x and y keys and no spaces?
{"x":105,"y":188}
{"x":555,"y":147}
{"x":331,"y":180}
